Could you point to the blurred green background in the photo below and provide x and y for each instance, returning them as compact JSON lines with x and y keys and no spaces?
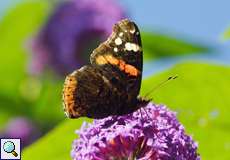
{"x":32,"y":76}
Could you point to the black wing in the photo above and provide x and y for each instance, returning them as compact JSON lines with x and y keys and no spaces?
{"x":124,"y":46}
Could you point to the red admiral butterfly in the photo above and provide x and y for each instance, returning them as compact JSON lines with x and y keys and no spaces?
{"x":111,"y":83}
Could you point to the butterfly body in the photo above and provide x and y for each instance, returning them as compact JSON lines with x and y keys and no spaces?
{"x":110,"y":84}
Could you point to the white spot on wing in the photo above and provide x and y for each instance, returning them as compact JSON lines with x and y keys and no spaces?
{"x":118,"y":41}
{"x":128,"y":46}
{"x":132,"y":47}
{"x":132,"y":31}
{"x":115,"y":49}
{"x":121,"y":34}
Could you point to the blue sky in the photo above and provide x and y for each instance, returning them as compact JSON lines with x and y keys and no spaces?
{"x":201,"y":19}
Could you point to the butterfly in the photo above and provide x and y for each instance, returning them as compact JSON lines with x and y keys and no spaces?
{"x":110,"y":84}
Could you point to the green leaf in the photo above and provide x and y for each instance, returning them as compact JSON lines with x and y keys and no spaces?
{"x":226,"y":35}
{"x":15,"y":29}
{"x":157,"y":45}
{"x":200,"y":96}
{"x":56,"y":144}
{"x":48,"y":106}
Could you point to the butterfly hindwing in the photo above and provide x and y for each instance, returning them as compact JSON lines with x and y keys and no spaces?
{"x":89,"y":92}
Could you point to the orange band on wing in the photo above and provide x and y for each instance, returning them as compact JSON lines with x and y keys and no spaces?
{"x":127,"y":68}
{"x":131,"y":70}
{"x":70,"y":86}
{"x":111,"y":59}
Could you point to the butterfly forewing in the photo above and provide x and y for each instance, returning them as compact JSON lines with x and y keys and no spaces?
{"x":123,"y":49}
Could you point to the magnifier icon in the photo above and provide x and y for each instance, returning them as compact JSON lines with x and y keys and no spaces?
{"x":9,"y":147}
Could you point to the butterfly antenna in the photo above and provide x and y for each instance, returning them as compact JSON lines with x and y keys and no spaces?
{"x":160,"y":85}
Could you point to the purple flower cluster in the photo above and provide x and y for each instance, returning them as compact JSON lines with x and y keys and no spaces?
{"x":150,"y":133}
{"x":73,"y":30}
{"x":20,"y":127}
